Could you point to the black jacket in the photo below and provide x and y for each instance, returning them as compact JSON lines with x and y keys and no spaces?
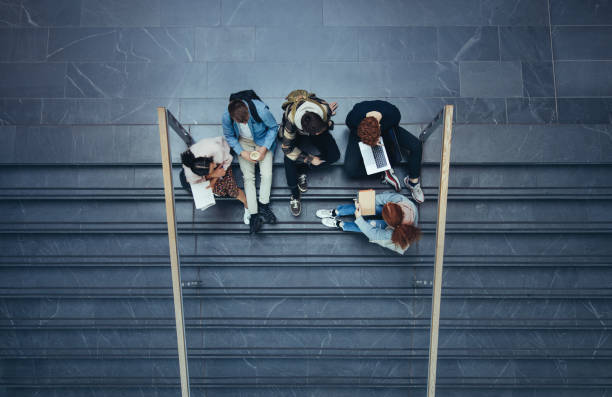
{"x":390,"y":121}
{"x":390,"y":115}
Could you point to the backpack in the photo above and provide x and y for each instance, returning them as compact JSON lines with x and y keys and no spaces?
{"x":293,"y":101}
{"x":248,"y":96}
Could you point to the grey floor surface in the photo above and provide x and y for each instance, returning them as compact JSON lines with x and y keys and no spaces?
{"x":300,"y":310}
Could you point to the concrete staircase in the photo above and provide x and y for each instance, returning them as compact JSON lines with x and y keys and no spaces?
{"x":302,"y":310}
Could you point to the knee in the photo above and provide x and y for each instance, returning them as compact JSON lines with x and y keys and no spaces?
{"x":419,"y":148}
{"x":333,"y":156}
{"x":352,"y":171}
{"x":266,"y":174}
{"x":248,"y":177}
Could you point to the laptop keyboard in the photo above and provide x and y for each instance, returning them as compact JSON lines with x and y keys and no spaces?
{"x":379,"y":156}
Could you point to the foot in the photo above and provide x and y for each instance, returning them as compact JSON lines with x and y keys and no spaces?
{"x":326,"y":214}
{"x":246,"y":217}
{"x":390,"y":179}
{"x":296,"y":206}
{"x":415,"y":190}
{"x":255,"y":223}
{"x":331,"y":222}
{"x":267,"y":214}
{"x":302,"y":183}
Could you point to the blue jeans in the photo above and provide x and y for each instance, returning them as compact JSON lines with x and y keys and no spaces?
{"x":349,"y":209}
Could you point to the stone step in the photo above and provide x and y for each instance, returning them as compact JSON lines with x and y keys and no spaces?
{"x":481,"y":143}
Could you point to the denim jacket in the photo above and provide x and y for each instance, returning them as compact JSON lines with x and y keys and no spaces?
{"x":380,"y":236}
{"x":264,"y":133}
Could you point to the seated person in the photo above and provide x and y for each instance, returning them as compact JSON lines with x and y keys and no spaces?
{"x":397,"y":229}
{"x":249,"y":126}
{"x":210,"y":159}
{"x":306,"y":121}
{"x":367,"y":121}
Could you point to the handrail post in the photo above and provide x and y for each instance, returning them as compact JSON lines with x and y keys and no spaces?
{"x":174,"y":254}
{"x":440,"y":232}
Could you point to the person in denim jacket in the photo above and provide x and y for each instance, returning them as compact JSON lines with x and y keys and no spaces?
{"x":246,"y":134}
{"x":397,"y":229}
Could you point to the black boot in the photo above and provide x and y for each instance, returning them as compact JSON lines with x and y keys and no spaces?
{"x":255,"y":223}
{"x":266,"y":213}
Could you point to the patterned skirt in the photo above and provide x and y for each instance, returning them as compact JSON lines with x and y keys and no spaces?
{"x":226,"y":186}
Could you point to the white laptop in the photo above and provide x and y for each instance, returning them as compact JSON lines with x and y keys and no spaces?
{"x":375,"y":158}
{"x":202,"y":195}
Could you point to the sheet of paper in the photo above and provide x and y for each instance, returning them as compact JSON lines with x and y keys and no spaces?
{"x":202,"y":195}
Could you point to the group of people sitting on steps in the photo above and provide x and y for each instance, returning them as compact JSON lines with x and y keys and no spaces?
{"x":251,"y":132}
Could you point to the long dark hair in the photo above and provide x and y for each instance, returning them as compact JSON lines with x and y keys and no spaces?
{"x":199,"y":165}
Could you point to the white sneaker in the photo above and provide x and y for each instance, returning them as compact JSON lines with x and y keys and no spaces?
{"x":330,"y":222}
{"x":247,"y":217}
{"x":325,"y":214}
{"x":416,"y":191}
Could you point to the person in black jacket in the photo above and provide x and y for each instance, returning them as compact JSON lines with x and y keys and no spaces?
{"x":367,"y":122}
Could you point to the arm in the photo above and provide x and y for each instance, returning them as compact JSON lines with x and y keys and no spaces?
{"x":353,"y":118}
{"x":373,"y":233}
{"x":225,"y":158}
{"x":389,"y":197}
{"x":289,"y":147}
{"x":330,"y":112}
{"x":212,"y":182}
{"x":391,"y":116}
{"x":229,"y":134}
{"x":272,"y":127}
{"x":327,"y":106}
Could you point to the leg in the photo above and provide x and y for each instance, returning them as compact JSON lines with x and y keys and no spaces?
{"x":291,"y":173}
{"x":353,"y":163}
{"x":350,"y":227}
{"x":248,"y":174}
{"x":410,"y":143}
{"x":242,"y":198}
{"x":345,"y":209}
{"x":265,"y":172}
{"x":326,"y":144}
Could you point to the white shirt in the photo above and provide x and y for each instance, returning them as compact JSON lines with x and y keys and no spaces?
{"x":245,"y":130}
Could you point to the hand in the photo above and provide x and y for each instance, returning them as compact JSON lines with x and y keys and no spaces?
{"x":262,"y":152}
{"x":317,"y":161}
{"x":213,"y":182}
{"x":333,"y":106}
{"x":357,"y":210}
{"x":377,"y":115}
{"x":246,"y":155}
{"x":218,"y":173}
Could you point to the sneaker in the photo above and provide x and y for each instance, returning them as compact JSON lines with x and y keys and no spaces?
{"x":390,"y":179}
{"x":267,"y":214}
{"x":330,"y":222}
{"x":302,"y":183}
{"x":255,"y":223}
{"x":326,"y":214}
{"x":416,"y":191}
{"x":296,"y":206}
{"x":247,"y":216}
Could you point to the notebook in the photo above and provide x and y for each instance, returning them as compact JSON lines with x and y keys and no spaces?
{"x":375,"y":158}
{"x":367,"y":202}
{"x":202,"y":195}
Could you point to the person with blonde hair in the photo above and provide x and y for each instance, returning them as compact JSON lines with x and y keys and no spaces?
{"x":306,"y":125}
